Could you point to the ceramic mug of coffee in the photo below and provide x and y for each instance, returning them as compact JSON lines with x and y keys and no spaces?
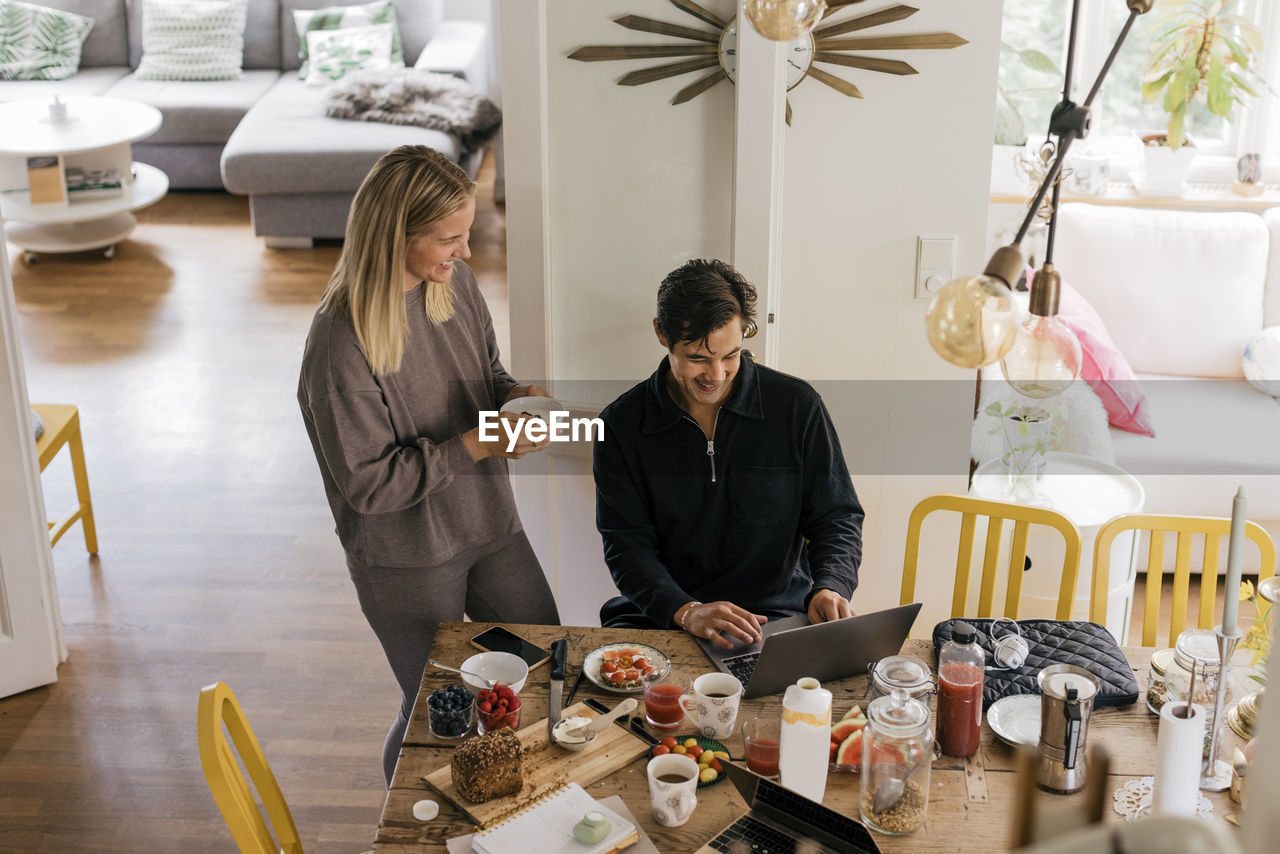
{"x":673,"y":788}
{"x":712,"y":704}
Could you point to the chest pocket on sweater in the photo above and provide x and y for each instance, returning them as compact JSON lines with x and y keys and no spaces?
{"x":761,"y":496}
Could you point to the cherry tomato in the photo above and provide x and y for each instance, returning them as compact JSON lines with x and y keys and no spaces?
{"x":640,"y":662}
{"x":669,"y":742}
{"x":617,"y":676}
{"x":693,"y":752}
{"x":661,"y":750}
{"x":609,"y":667}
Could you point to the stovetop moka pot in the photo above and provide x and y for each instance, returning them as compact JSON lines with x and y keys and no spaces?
{"x":1066,"y":702}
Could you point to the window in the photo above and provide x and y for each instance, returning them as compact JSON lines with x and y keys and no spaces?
{"x":1038,"y":29}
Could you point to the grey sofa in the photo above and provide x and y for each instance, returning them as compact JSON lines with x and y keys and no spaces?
{"x":265,"y":135}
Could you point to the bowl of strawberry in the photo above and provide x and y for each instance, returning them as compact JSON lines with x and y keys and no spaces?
{"x":497,"y":707}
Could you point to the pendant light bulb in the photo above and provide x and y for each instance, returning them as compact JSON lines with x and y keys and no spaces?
{"x":784,"y":20}
{"x":1045,"y":356}
{"x":970,"y":322}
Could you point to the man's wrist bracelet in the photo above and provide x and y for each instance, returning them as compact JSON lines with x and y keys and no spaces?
{"x":684,"y":618}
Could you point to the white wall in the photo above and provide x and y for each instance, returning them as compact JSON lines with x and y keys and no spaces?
{"x":635,"y":186}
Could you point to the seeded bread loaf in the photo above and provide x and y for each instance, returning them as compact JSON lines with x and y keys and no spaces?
{"x":488,"y":766}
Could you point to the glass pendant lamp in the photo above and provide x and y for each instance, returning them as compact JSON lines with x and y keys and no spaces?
{"x":971,"y":321}
{"x":784,"y":20}
{"x":1044,"y":358}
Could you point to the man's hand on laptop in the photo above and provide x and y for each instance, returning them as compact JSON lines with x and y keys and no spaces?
{"x":827,"y":605}
{"x":714,"y":620}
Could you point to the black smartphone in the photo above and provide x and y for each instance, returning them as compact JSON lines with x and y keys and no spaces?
{"x":498,"y":639}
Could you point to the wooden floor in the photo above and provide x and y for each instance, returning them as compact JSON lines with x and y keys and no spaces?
{"x":218,"y":559}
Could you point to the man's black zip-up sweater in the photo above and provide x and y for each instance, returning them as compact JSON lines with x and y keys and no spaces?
{"x":685,"y":518}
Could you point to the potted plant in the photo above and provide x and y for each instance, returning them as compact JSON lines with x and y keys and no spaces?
{"x":1205,"y":53}
{"x":1029,"y":432}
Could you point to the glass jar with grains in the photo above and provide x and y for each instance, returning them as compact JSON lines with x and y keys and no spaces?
{"x":1198,"y":649}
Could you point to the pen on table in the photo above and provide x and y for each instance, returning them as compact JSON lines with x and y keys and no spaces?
{"x":582,"y":671}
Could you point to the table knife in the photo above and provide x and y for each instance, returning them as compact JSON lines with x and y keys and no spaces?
{"x":559,"y":652}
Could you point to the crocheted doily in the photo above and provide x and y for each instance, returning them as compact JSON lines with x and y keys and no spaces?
{"x":1133,"y":800}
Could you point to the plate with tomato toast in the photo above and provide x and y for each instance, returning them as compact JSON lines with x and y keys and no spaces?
{"x":620,"y":667}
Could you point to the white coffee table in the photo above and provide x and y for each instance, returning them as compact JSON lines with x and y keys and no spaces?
{"x":98,"y":134}
{"x":1089,"y":492}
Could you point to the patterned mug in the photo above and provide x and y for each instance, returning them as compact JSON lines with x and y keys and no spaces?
{"x":673,"y":788}
{"x":713,"y":704}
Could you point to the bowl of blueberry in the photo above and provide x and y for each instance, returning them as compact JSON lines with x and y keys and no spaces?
{"x":449,"y":711}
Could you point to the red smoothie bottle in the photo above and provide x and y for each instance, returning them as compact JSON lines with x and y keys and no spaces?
{"x":960,"y":675}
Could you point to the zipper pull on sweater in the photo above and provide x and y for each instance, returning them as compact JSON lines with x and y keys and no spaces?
{"x":711,"y":455}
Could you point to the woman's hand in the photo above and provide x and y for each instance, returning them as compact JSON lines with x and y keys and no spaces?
{"x":710,"y":619}
{"x":501,"y":446}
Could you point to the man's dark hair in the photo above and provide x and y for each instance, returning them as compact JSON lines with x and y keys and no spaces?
{"x":700,"y":297}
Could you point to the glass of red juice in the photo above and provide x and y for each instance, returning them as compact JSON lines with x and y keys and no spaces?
{"x":959,"y":708}
{"x":662,"y":693}
{"x":761,"y":738}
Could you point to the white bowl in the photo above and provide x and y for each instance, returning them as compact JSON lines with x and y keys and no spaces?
{"x":503,"y":666}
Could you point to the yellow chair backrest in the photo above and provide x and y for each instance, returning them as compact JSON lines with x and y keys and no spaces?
{"x":1186,"y":527}
{"x":230,"y":789}
{"x":997,"y":512}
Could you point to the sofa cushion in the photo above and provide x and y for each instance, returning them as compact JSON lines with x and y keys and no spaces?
{"x":1206,"y":427}
{"x":261,"y":34}
{"x":416,"y":22}
{"x":37,"y":43}
{"x":108,"y":41}
{"x":89,"y":81}
{"x":1181,"y":292}
{"x":192,"y":39}
{"x":286,"y":144}
{"x":197,"y":111}
{"x":307,"y":21}
{"x":333,"y":54}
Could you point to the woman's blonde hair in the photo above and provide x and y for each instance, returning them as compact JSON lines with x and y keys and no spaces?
{"x":407,"y":191}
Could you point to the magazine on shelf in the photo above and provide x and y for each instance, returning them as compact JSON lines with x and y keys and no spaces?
{"x":93,"y":183}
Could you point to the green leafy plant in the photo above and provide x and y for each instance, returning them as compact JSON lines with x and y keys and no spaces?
{"x":1011,"y":126}
{"x":1205,"y":52}
{"x":1029,"y":432}
{"x":1258,"y":637}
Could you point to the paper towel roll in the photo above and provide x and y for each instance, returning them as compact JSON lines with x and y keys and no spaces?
{"x":1179,"y":753}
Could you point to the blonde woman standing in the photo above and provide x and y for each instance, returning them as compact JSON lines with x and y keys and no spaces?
{"x":400,"y":360}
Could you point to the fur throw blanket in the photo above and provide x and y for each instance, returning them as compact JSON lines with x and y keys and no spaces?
{"x":408,"y":96}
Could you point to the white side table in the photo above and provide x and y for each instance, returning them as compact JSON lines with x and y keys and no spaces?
{"x":1089,"y":493}
{"x":97,"y":134}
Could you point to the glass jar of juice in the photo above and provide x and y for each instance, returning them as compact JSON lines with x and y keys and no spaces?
{"x":960,"y":678}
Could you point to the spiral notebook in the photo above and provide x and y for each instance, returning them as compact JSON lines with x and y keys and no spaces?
{"x":546,"y":827}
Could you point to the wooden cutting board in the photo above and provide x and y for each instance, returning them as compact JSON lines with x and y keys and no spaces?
{"x":546,"y":767}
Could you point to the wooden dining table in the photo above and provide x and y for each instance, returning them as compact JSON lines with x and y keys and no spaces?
{"x":971,"y":801}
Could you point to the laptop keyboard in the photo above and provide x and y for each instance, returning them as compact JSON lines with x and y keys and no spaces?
{"x":742,"y":666}
{"x":748,"y":834}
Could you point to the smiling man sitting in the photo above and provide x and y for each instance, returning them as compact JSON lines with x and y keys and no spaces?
{"x":722,"y":495}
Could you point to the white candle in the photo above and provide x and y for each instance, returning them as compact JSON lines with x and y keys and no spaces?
{"x":1235,"y":553}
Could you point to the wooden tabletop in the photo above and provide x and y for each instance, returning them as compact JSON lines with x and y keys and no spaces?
{"x":970,"y":804}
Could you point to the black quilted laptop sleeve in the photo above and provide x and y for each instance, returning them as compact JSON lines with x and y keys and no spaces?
{"x":1086,"y":645}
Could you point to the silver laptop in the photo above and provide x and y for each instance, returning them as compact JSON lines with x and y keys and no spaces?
{"x":779,"y":820}
{"x":793,"y":647}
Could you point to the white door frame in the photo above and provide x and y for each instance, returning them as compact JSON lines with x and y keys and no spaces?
{"x":31,"y":642}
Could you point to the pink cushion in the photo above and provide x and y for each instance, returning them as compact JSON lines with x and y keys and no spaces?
{"x":1103,"y":366}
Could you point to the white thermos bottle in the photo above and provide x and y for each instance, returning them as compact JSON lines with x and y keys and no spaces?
{"x":806,"y":738}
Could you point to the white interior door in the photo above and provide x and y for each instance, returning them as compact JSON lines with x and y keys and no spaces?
{"x":29,"y":638}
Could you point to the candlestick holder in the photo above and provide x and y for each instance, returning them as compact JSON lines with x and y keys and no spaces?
{"x":1216,"y":776}
{"x":1243,"y":717}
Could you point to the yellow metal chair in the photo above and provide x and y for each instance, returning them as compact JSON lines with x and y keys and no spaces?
{"x":62,"y":427}
{"x":1186,"y":527}
{"x":996,"y":512}
{"x":218,"y":705}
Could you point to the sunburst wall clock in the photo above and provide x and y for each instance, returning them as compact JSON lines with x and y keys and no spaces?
{"x":717,"y":49}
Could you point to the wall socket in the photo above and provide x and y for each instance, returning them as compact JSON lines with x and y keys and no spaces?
{"x":935,"y":263}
